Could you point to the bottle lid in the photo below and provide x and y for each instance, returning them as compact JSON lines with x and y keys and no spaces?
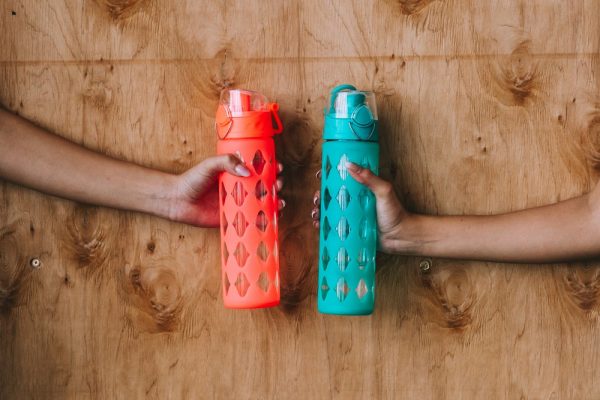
{"x":352,"y":115}
{"x":243,"y":114}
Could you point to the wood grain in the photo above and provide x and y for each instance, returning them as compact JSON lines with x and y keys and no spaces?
{"x":485,"y":107}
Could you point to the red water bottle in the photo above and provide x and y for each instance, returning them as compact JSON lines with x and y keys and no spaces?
{"x":248,"y":205}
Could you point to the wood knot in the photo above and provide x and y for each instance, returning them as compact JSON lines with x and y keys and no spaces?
{"x":157,"y":294}
{"x":87,"y":247}
{"x":451,"y":291}
{"x":583,"y":287}
{"x":151,"y":246}
{"x":99,"y":94}
{"x":227,"y":70}
{"x":86,"y":241}
{"x":410,"y":7}
{"x":119,"y":9}
{"x":516,"y":76}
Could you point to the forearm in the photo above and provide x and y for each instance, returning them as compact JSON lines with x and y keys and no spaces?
{"x":35,"y":158}
{"x":563,"y":231}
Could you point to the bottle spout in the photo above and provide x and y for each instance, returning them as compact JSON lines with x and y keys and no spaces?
{"x":240,"y":100}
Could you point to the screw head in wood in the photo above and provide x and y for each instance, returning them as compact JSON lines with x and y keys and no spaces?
{"x":35,"y":263}
{"x":425,"y":265}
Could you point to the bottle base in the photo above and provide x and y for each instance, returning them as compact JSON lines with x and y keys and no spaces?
{"x":251,"y":306}
{"x":348,"y":313}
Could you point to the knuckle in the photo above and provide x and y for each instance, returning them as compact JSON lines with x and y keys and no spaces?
{"x":386,"y":188}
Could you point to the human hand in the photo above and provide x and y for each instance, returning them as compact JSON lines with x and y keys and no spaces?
{"x":194,"y":195}
{"x":395,"y":224}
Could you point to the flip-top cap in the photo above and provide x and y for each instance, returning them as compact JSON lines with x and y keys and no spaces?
{"x":243,"y":114}
{"x":352,"y":115}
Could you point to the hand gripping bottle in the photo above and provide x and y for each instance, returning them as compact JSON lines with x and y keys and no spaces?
{"x":348,"y":225}
{"x":248,"y":205}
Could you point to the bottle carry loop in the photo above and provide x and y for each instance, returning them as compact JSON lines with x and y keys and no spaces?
{"x":335,"y":91}
{"x":274,"y":107}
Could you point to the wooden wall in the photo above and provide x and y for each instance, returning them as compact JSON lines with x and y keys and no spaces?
{"x":485,"y":107}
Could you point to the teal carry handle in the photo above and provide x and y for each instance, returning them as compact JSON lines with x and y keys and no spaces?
{"x":334,"y":93}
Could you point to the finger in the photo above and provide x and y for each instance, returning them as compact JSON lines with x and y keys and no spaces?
{"x":279,"y":168}
{"x":315,"y":214}
{"x":279,"y":184}
{"x":362,"y":175}
{"x":316,"y":224}
{"x":280,"y":204}
{"x":387,"y":201}
{"x":317,"y":198}
{"x":212,"y":166}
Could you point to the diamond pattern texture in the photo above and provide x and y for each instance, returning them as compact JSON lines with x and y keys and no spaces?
{"x":347,"y":254}
{"x":242,"y":284}
{"x":324,"y":288}
{"x":343,"y":198}
{"x":343,"y":228}
{"x":262,"y":221}
{"x":258,"y":162}
{"x":361,"y":289}
{"x":342,"y":289}
{"x":326,"y":198}
{"x":239,"y":193}
{"x":342,"y":259}
{"x":249,"y":232}
{"x":341,"y":167}
{"x":239,"y":223}
{"x":262,"y":251}
{"x":325,"y":258}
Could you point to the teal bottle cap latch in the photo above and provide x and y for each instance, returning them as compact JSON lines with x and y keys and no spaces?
{"x":352,"y":115}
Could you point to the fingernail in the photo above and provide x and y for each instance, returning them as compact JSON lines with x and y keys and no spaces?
{"x":282,"y":201}
{"x":315,"y":200}
{"x":353,"y":167}
{"x":313,"y":214}
{"x":241,"y":170}
{"x":318,"y":174}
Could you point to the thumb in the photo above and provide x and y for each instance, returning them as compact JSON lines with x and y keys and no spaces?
{"x":389,"y":209}
{"x":213,"y":166}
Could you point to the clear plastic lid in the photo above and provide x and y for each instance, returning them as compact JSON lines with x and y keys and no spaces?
{"x":347,"y":102}
{"x":240,"y":101}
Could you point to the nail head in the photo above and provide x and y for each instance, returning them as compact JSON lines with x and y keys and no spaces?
{"x":425,"y":265}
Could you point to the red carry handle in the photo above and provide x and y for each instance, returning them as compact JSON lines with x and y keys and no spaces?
{"x":274,"y":108}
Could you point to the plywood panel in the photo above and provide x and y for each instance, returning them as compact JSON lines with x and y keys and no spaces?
{"x":485,"y":107}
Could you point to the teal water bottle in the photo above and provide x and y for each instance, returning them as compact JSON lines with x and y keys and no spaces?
{"x":348,"y":224}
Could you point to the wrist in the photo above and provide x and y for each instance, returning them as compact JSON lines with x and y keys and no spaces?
{"x":161,"y":195}
{"x":413,"y":235}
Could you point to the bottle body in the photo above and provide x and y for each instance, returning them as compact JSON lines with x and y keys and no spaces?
{"x":248,"y":208}
{"x":348,"y":230}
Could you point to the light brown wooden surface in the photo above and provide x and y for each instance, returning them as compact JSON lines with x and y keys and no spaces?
{"x":485,"y":107}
